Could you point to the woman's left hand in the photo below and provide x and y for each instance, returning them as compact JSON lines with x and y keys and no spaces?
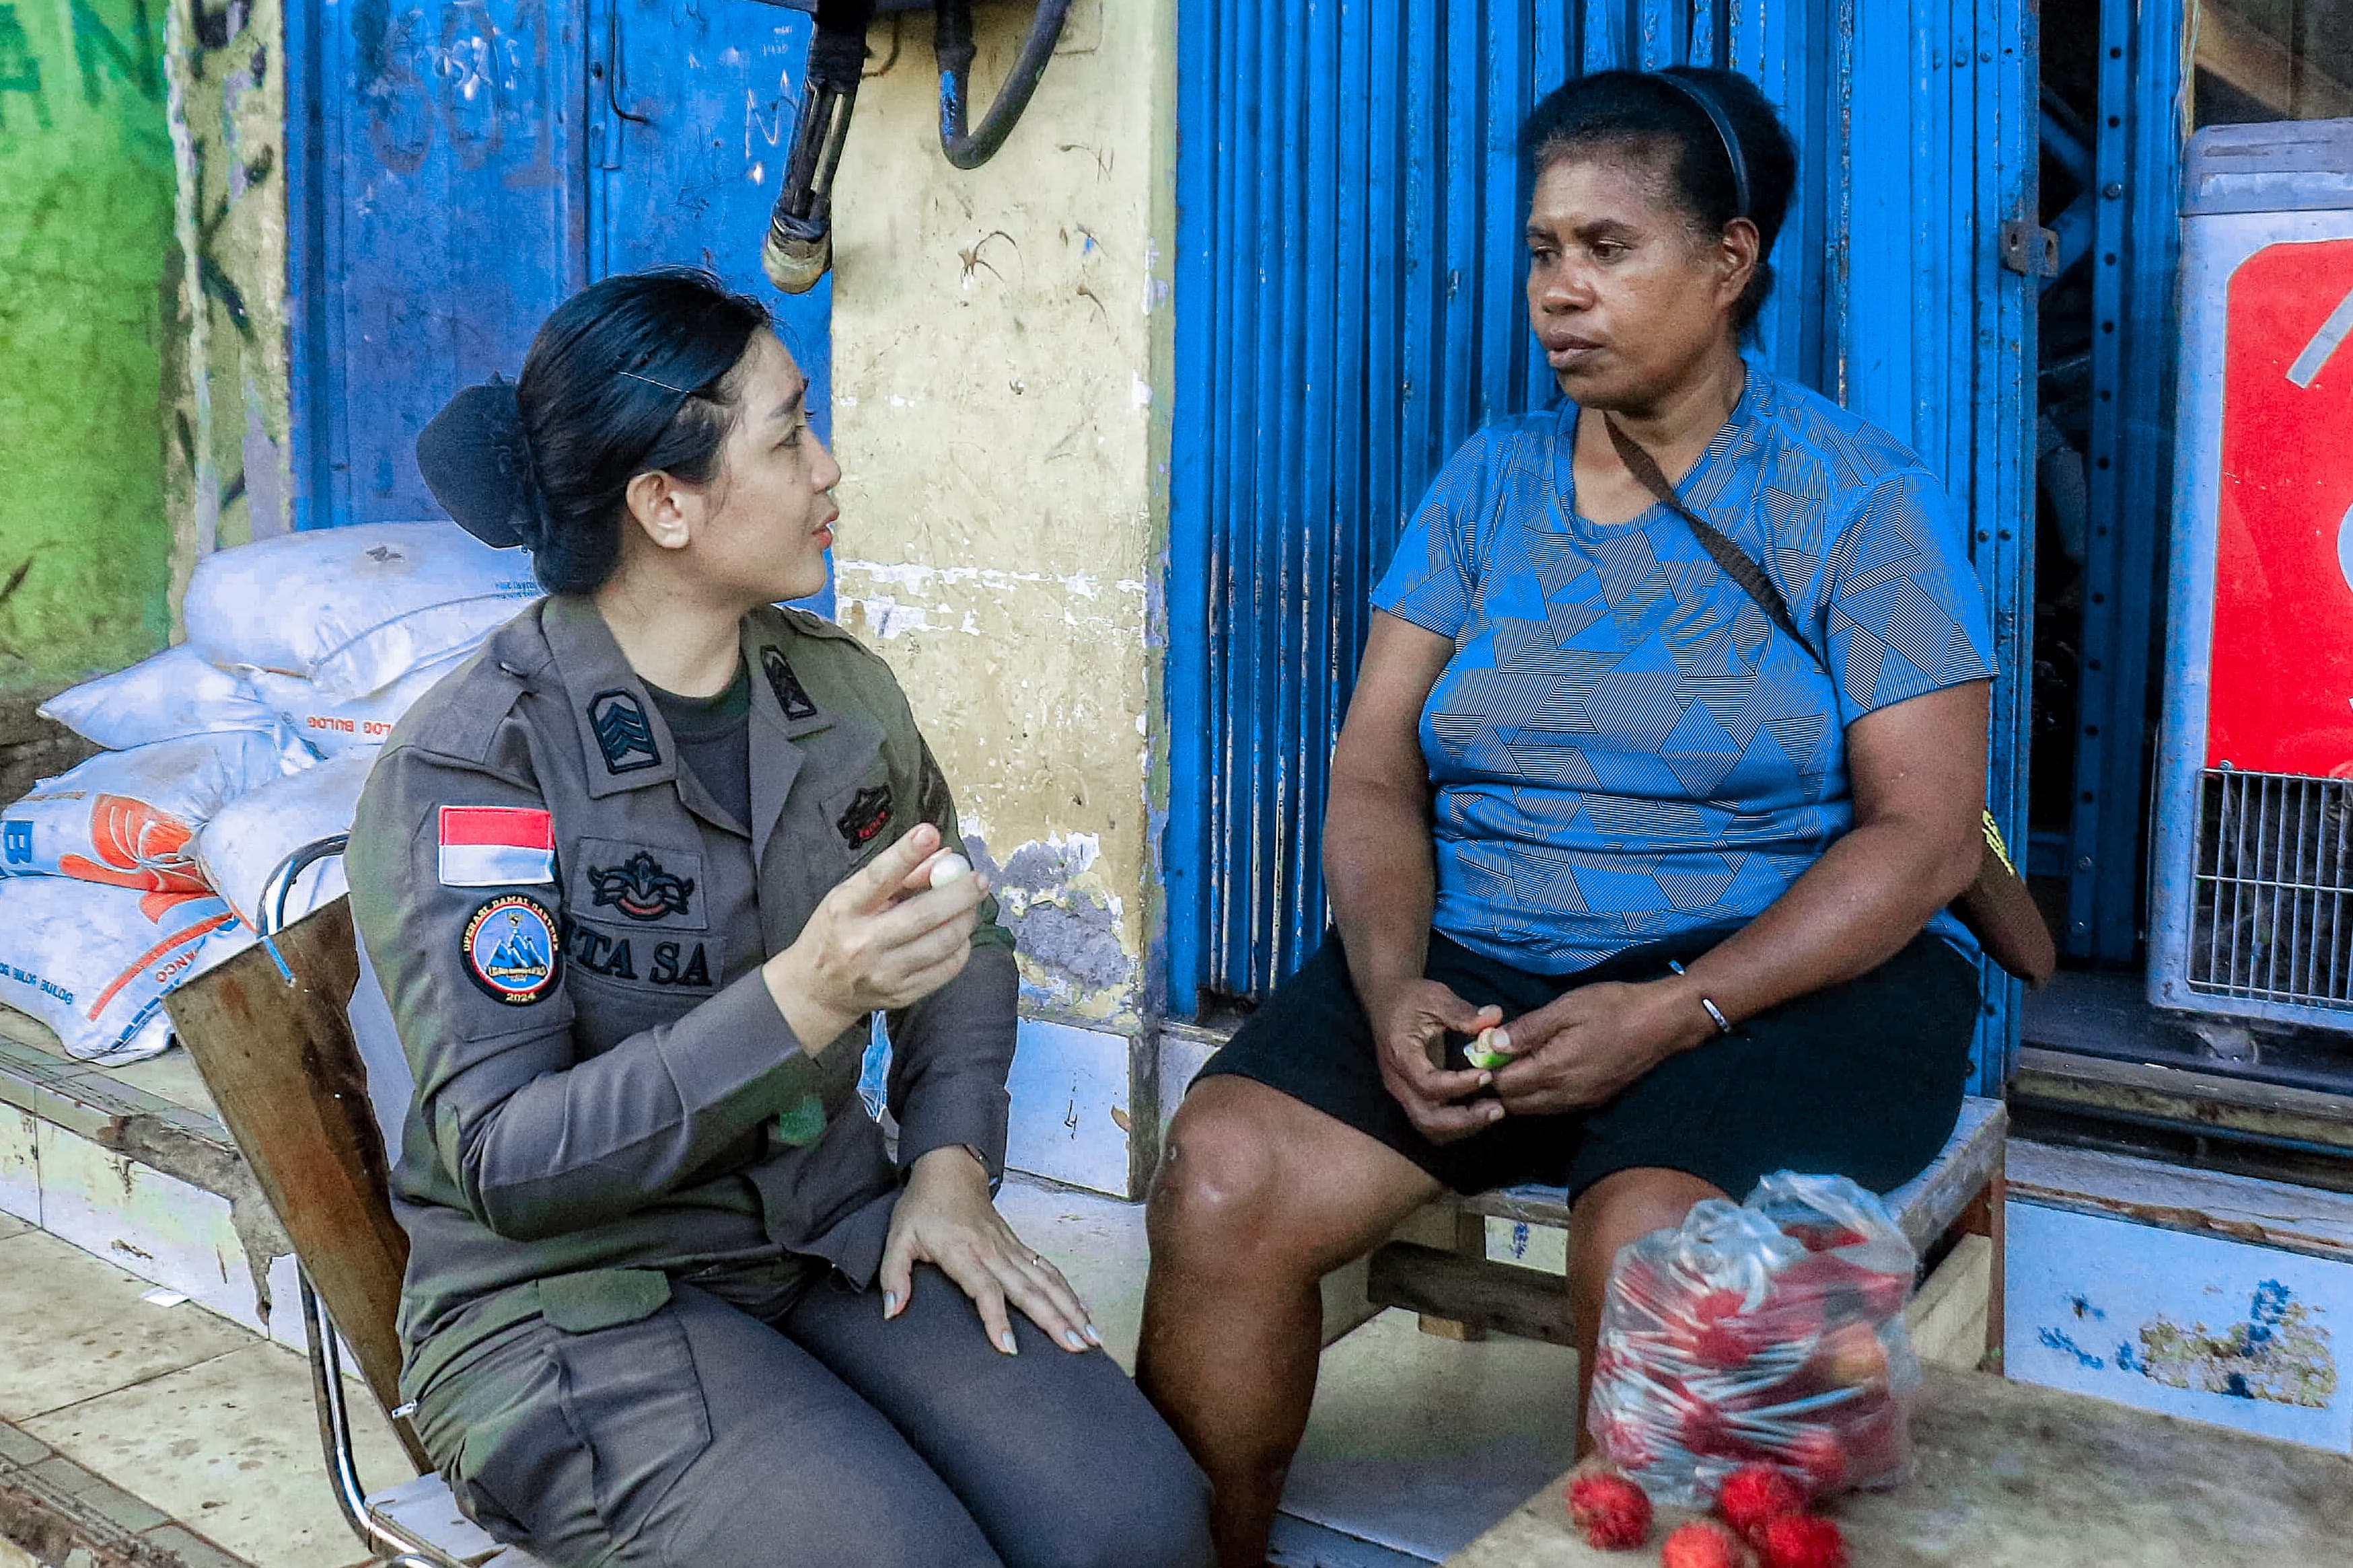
{"x":1586,"y":1044}
{"x":945,"y":1218}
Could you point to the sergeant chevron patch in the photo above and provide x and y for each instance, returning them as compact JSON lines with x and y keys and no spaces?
{"x":624,"y":733}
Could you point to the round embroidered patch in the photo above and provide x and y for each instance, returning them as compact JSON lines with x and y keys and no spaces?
{"x":510,"y":948}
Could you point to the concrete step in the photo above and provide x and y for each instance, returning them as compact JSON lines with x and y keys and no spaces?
{"x":130,"y":1164}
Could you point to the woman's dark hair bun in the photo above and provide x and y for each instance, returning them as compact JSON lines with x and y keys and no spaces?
{"x":1662,"y":117}
{"x":629,"y":376}
{"x":477,"y":462}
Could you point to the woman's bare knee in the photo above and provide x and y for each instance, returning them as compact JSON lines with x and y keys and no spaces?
{"x":1251,"y":1176}
{"x":1220,"y":1171}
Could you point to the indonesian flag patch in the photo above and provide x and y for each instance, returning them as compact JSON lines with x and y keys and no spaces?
{"x":496,"y":846}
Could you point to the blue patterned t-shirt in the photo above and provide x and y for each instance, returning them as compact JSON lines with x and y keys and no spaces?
{"x":1623,"y":748}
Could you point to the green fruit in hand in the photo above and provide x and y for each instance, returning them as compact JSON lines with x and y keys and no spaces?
{"x":1482,"y":1053}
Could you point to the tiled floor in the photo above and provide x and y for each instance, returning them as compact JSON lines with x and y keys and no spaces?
{"x":1416,"y":1443}
{"x":193,"y":1416}
{"x":229,"y":1446}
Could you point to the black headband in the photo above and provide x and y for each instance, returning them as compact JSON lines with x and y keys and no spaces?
{"x":476,"y":460}
{"x":1724,"y":133}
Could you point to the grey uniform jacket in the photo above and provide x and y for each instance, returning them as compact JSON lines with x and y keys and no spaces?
{"x":603,"y":1082}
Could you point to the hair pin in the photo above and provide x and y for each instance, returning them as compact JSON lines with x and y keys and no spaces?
{"x":650,"y":380}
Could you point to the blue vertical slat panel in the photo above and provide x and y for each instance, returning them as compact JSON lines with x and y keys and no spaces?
{"x":2137,"y":177}
{"x":445,"y":204}
{"x":1552,"y":55}
{"x":1607,"y":33}
{"x":1206,"y":169}
{"x":1354,"y":256}
{"x":692,"y":108}
{"x":2002,"y":499}
{"x":1313,"y":679}
{"x":1881,"y":260}
{"x":1502,"y":214}
{"x":1314,"y":399}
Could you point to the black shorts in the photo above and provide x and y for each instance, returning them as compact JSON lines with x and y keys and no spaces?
{"x":1864,"y":1080}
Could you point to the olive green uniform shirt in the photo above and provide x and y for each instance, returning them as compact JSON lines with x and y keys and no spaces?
{"x":638,"y":1103}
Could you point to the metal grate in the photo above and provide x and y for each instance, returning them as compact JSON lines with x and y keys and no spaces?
{"x":2273,"y":913}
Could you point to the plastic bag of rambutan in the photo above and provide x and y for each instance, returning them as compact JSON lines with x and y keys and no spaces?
{"x":1769,"y":1330}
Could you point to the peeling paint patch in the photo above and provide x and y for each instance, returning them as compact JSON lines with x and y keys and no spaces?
{"x":919,"y":579}
{"x":1066,"y":925}
{"x":885,"y":616}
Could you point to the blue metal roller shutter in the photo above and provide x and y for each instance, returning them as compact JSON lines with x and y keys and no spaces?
{"x":1349,"y":299}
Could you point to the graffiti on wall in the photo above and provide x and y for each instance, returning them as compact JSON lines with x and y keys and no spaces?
{"x":229,"y":464}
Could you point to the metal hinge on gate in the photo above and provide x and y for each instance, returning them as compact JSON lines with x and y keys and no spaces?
{"x":2030,"y":249}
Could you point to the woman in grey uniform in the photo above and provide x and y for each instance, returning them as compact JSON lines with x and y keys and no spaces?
{"x":634,"y":879}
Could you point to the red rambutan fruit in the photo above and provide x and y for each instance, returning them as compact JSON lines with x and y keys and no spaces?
{"x":1754,"y":1495}
{"x":1702,"y":1544}
{"x":1613,"y":1513}
{"x":1802,"y":1540}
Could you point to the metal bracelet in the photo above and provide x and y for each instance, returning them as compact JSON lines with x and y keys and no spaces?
{"x":1722,"y":1024}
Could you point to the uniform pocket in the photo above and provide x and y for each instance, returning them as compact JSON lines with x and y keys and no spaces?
{"x":630,"y":1394}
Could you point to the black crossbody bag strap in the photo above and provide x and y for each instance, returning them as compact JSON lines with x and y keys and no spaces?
{"x":1736,"y":563}
{"x":1998,"y":907}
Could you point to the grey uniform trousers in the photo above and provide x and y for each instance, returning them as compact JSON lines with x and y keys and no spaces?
{"x":701,"y":1437}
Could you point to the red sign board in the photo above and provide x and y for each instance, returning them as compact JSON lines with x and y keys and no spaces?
{"x":2281,"y":700}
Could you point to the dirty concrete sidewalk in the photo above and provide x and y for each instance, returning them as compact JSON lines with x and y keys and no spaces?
{"x":164,"y":1425}
{"x":172,"y":1427}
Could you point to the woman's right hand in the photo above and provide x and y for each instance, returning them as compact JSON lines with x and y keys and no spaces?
{"x":1410,"y":1025}
{"x":872,"y":945}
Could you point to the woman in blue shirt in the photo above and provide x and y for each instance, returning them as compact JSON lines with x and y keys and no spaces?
{"x":1590,"y":793}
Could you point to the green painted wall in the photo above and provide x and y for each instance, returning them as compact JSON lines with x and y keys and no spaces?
{"x":86,"y":269}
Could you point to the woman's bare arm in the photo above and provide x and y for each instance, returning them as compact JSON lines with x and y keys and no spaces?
{"x":1917,"y":771}
{"x":1379,"y":874}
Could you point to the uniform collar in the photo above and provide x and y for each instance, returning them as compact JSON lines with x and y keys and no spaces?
{"x":782,"y":712}
{"x":624,"y":743}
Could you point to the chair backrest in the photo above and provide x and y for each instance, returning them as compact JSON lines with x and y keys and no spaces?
{"x":390,"y":1083}
{"x":308,"y":1077}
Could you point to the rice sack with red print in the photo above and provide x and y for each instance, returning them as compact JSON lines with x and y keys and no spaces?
{"x":128,"y":819}
{"x":95,"y":962}
{"x":1768,"y":1331}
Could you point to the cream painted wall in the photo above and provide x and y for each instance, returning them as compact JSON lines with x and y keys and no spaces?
{"x":994,"y":345}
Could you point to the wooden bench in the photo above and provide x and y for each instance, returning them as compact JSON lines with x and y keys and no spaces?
{"x":1438,"y":1266}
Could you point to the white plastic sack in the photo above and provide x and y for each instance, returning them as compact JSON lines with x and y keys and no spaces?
{"x":127,"y":817}
{"x":175,"y":694}
{"x":250,"y":836}
{"x":336,"y":726}
{"x":354,"y":608}
{"x":94,"y":963}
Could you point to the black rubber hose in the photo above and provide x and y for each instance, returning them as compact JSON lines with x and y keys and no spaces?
{"x":952,"y":46}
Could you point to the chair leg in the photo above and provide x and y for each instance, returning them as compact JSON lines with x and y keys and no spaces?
{"x":1470,"y":1241}
{"x":1988,"y":1215}
{"x":328,"y":1395}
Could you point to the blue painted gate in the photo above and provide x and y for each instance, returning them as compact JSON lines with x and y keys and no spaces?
{"x":1349,"y":308}
{"x":458,"y":167}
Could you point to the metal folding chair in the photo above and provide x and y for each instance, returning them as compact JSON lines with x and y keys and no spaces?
{"x":416,"y":1523}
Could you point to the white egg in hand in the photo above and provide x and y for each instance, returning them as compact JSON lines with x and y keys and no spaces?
{"x":950,"y":869}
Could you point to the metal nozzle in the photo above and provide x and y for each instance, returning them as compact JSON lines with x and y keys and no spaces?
{"x":797,"y":254}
